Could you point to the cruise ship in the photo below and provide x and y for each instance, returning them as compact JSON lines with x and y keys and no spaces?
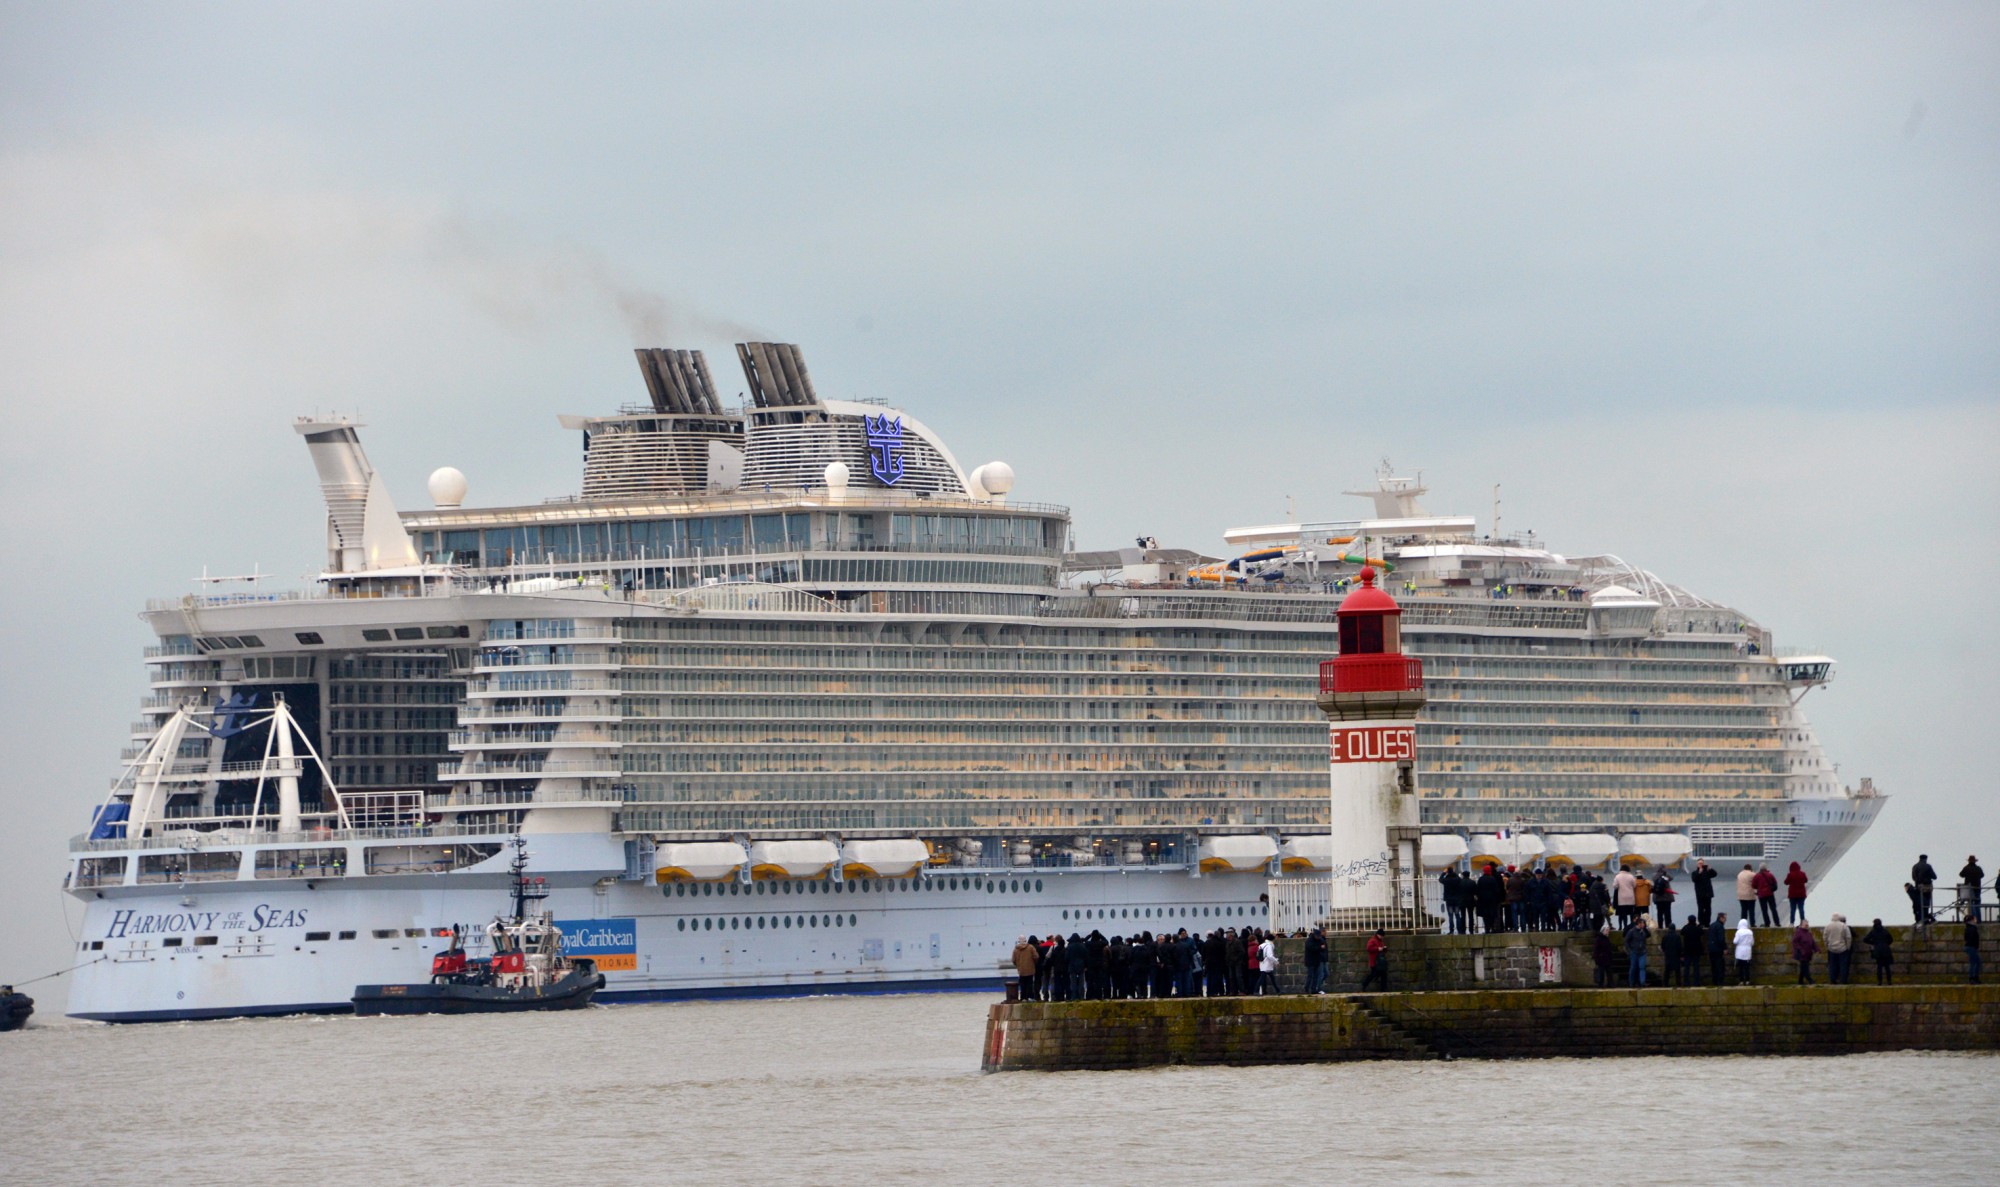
{"x":789,"y":700}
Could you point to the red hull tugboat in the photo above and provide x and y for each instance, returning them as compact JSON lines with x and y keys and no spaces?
{"x":527,"y":970}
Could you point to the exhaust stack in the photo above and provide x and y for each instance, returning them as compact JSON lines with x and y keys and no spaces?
{"x":363,"y":531}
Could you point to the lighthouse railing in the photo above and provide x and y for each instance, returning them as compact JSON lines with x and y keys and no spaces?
{"x":1344,"y":905}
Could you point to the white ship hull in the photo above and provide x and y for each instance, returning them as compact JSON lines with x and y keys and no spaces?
{"x":943,"y":930}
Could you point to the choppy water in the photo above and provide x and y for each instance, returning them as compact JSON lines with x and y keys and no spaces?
{"x":887,"y":1090}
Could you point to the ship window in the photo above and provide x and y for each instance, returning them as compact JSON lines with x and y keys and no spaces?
{"x":448,"y":632}
{"x":317,"y":937}
{"x":1065,"y":914}
{"x":413,"y":932}
{"x":680,"y":925}
{"x":850,"y":921}
{"x":989,"y":888}
{"x":309,"y":638}
{"x":171,"y":942}
{"x":708,"y":925}
{"x":250,"y":641}
{"x":97,"y":945}
{"x":375,"y":635}
{"x":204,"y":941}
{"x":409,"y":632}
{"x":732,"y":923}
{"x":836,"y":921}
{"x":347,"y":935}
{"x":787,"y":920}
{"x":760,"y":923}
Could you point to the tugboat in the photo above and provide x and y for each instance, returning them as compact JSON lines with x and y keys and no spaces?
{"x":14,"y":1008}
{"x":527,"y":970}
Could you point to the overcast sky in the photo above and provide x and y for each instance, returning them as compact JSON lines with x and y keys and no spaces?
{"x":1713,"y":287}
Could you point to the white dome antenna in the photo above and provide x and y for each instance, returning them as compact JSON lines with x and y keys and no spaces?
{"x":992,"y":480}
{"x":836,"y":480}
{"x":447,"y":487}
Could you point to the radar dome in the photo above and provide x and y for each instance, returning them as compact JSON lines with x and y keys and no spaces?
{"x":994,"y":478}
{"x":447,"y":487}
{"x":836,"y":478}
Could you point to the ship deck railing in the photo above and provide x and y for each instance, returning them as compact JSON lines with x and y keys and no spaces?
{"x":82,"y":843}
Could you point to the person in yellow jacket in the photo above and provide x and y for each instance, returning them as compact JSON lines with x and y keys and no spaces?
{"x":1025,"y":961}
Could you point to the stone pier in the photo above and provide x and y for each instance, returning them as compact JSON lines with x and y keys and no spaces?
{"x":1514,"y":996}
{"x":1492,"y":1024}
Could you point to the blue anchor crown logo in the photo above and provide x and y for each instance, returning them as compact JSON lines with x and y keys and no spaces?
{"x":885,"y":448}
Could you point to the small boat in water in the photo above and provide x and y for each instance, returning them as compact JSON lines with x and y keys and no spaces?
{"x":14,"y":1008}
{"x":526,"y":971}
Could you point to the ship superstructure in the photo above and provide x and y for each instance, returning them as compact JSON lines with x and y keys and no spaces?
{"x":788,"y":699}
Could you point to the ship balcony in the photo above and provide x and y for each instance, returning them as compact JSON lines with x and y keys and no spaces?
{"x":471,"y":716}
{"x":537,"y":739}
{"x":595,"y":634}
{"x":512,"y":799}
{"x":547,"y":684}
{"x":501,"y":659}
{"x":569,"y":768}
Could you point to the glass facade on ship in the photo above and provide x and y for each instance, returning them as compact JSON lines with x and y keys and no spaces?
{"x":941,"y":689}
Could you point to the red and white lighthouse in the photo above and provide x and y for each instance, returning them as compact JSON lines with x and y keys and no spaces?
{"x":1371,"y":694}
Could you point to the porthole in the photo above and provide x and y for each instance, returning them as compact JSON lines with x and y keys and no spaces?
{"x":850,"y":921}
{"x":788,"y":920}
{"x":733,"y":923}
{"x":812,"y":921}
{"x":708,"y":925}
{"x":836,"y":921}
{"x":760,"y":923}
{"x":951,"y":884}
{"x":1065,"y":914}
{"x":706,"y":888}
{"x":1038,"y":886}
{"x":989,"y":888}
{"x":812,"y":888}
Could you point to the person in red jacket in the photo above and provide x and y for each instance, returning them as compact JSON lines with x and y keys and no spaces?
{"x":1795,"y":890}
{"x":1378,"y":961}
{"x":1765,"y":884}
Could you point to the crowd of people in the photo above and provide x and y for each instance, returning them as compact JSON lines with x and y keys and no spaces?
{"x":1626,"y":911}
{"x":1572,"y":898}
{"x":1227,"y":962}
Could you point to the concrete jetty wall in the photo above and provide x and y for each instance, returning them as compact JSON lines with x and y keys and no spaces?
{"x":1492,"y":1024}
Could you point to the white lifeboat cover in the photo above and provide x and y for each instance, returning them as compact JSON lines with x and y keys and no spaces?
{"x":1240,"y":853}
{"x":697,"y":861}
{"x":893,"y":858}
{"x":792,"y":859}
{"x":1314,"y":851}
{"x":1443,"y":850}
{"x":1583,"y":849}
{"x":1657,"y":849}
{"x":1515,"y":849}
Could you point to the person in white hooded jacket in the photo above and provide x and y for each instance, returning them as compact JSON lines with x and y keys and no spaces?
{"x":1746,"y":947}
